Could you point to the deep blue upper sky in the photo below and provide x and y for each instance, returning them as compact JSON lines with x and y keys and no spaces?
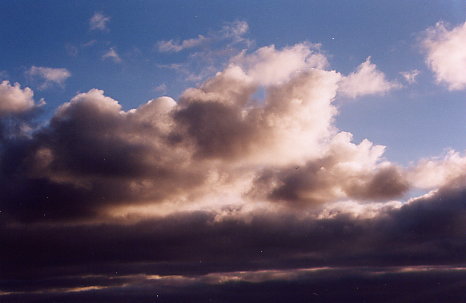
{"x":415,"y":121}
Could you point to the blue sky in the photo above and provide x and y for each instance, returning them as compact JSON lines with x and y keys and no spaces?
{"x":232,"y":151}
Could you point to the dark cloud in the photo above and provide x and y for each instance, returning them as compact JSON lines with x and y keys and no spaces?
{"x":426,"y":231}
{"x":352,"y":284}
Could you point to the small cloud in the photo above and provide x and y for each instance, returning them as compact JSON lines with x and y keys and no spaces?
{"x":235,"y":30}
{"x":162,"y":88}
{"x":89,"y":43}
{"x":113,"y":55}
{"x":410,"y":76}
{"x":177,"y":46}
{"x":71,"y":50}
{"x":366,"y":80}
{"x":99,"y":22}
{"x":231,"y":31}
{"x":3,"y":75}
{"x":14,"y":99}
{"x":446,"y":54}
{"x":49,"y":76}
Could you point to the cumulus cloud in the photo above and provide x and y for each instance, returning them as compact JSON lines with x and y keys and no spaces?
{"x":366,"y":80}
{"x":436,"y":172}
{"x":167,"y":155}
{"x":49,"y":76}
{"x":262,"y":66}
{"x":112,"y":55}
{"x":99,"y":21}
{"x":346,"y":171}
{"x":14,"y":99}
{"x":446,"y":54}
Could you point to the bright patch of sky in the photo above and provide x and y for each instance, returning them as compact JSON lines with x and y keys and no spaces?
{"x":139,"y":50}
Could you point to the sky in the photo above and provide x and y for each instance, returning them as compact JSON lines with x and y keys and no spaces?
{"x":233,"y":151}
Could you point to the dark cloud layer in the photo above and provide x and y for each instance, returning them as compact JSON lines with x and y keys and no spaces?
{"x":334,"y":285}
{"x":426,"y":231}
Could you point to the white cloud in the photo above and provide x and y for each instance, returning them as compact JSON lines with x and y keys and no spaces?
{"x":49,"y":76}
{"x":410,"y":76}
{"x":177,"y":46}
{"x":14,"y":100}
{"x":113,"y":55}
{"x":162,"y":88}
{"x":268,"y":66}
{"x":233,"y":31}
{"x":366,"y":80}
{"x":438,"y":171}
{"x":446,"y":54}
{"x":99,"y":22}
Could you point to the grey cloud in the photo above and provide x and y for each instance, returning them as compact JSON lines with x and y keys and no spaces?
{"x":426,"y":231}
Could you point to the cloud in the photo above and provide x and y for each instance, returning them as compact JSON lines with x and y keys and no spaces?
{"x":231,"y":31}
{"x":14,"y":100}
{"x":49,"y":76}
{"x":410,"y":76}
{"x":113,"y":55}
{"x":218,"y":145}
{"x":234,"y":30}
{"x":345,"y":171}
{"x":219,"y":189}
{"x":196,"y":248}
{"x":366,"y":80}
{"x":3,"y":75}
{"x":262,"y":65}
{"x":161,"y":88}
{"x":177,"y":46}
{"x":99,"y":21}
{"x":436,"y":172}
{"x":446,"y":55}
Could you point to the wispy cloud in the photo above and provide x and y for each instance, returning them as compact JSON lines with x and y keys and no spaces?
{"x":48,"y":76}
{"x":410,"y":76}
{"x":99,"y":22}
{"x":233,"y":31}
{"x":3,"y":75}
{"x":177,"y":46}
{"x":112,"y":55}
{"x":162,"y":88}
